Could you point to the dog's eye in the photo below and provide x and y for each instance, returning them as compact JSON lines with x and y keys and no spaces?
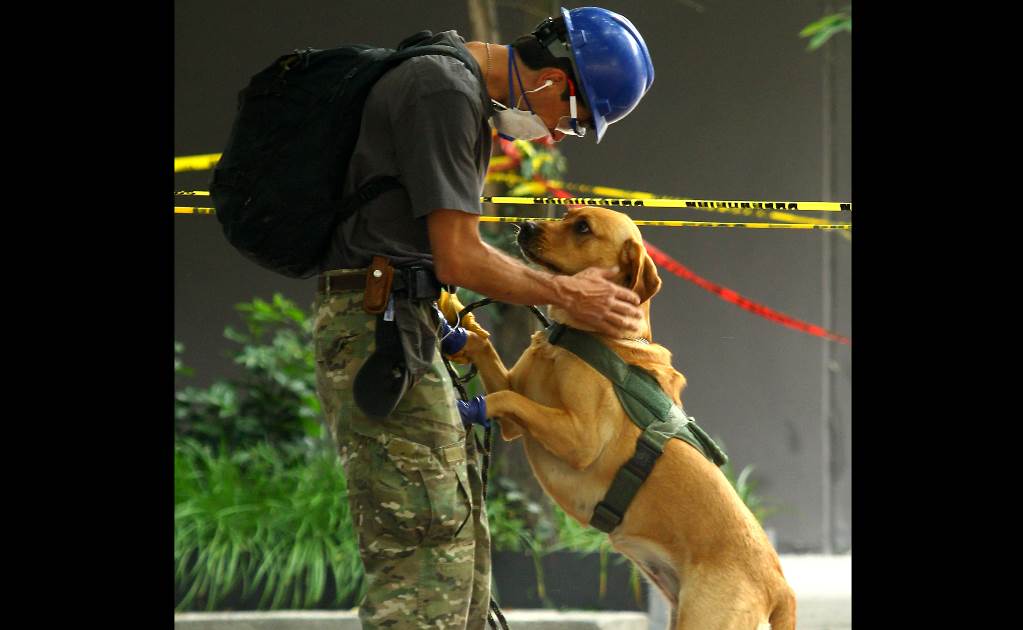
{"x":582,"y":227}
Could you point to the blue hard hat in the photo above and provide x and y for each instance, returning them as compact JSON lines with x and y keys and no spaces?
{"x":611,"y":63}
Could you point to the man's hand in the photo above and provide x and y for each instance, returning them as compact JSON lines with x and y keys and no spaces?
{"x":461,"y":258}
{"x":450,"y":306}
{"x":591,"y":298}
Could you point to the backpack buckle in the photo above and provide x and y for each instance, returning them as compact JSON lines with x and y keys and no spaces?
{"x":286,"y":62}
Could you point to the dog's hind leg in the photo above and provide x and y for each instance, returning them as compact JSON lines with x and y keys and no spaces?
{"x":719,"y":604}
{"x":783,"y":617}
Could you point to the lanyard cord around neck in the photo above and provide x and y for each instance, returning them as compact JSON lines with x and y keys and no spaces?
{"x":511,"y":90}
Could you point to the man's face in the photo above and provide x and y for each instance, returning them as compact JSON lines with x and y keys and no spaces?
{"x":548,"y":105}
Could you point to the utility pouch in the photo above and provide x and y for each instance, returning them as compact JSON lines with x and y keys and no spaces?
{"x":384,"y":378}
{"x":379,"y":277}
{"x":404,"y":351}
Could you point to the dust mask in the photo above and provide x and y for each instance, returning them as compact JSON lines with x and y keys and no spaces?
{"x":513,"y":123}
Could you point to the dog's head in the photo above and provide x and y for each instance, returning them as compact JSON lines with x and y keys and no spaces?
{"x":590,"y":236}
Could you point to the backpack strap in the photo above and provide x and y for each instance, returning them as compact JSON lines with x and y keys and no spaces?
{"x":648,"y":407}
{"x":373,"y":188}
{"x":408,"y":48}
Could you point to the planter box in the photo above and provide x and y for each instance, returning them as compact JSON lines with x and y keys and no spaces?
{"x":572,"y":581}
{"x":348,"y":620}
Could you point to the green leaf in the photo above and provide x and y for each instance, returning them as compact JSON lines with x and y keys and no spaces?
{"x":261,"y":525}
{"x":823,"y":29}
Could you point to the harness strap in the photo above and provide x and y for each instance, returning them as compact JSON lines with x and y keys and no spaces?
{"x":648,"y":407}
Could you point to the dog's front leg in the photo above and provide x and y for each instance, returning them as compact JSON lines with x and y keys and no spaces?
{"x":491,"y":368}
{"x":557,"y":430}
{"x":494,"y":375}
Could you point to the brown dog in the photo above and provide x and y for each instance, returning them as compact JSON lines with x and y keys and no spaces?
{"x":686,"y":528}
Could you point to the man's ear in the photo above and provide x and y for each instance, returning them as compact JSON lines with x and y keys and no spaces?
{"x":556,"y":75}
{"x":640,"y":271}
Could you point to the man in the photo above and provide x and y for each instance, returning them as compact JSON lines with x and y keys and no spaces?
{"x":414,"y":476}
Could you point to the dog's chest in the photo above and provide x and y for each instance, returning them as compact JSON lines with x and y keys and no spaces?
{"x":538,"y":376}
{"x":534,"y":374}
{"x":573,"y":490}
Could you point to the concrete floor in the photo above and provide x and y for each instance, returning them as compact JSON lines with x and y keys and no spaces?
{"x":823,"y":586}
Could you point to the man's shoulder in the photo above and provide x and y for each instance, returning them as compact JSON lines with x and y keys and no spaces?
{"x":422,"y":76}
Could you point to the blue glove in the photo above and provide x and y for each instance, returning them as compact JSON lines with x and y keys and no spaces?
{"x":474,"y":411}
{"x":452,"y":339}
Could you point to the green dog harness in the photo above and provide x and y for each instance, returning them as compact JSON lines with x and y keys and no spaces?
{"x":648,"y":407}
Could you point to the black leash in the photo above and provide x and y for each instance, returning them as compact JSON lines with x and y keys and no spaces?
{"x":488,"y":438}
{"x":488,"y":441}
{"x":459,"y":382}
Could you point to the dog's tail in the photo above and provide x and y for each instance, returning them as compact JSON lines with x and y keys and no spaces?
{"x":783,"y":616}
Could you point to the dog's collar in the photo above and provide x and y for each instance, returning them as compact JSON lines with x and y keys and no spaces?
{"x":639,"y":339}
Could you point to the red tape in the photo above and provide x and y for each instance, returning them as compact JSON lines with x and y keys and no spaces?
{"x":668,"y":263}
{"x":665,"y":261}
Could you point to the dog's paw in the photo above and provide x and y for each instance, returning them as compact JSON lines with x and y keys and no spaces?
{"x":474,"y":344}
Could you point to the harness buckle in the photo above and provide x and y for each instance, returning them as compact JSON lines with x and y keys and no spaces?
{"x":643,"y":460}
{"x":604,"y":518}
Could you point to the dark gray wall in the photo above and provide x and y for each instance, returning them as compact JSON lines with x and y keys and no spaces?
{"x":735,"y":113}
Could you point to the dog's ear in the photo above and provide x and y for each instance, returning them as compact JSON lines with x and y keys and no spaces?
{"x":640,"y":271}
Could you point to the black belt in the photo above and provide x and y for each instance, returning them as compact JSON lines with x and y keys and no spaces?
{"x":418,"y":283}
{"x":341,"y":282}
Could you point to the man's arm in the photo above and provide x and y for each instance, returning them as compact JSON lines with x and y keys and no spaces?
{"x":462,"y":258}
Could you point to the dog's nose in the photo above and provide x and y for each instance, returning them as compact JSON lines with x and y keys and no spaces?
{"x":527,"y":229}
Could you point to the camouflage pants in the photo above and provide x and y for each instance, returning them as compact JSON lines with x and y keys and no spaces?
{"x":415,"y":490}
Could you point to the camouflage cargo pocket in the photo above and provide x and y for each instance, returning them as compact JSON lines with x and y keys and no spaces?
{"x":438,"y":514}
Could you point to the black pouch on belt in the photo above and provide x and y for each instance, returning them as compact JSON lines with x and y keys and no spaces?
{"x":404,"y":352}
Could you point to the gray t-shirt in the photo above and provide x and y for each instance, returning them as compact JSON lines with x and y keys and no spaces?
{"x":426,"y":123}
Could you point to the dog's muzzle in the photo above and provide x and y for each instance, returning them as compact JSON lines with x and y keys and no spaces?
{"x":528,"y":238}
{"x":528,"y":231}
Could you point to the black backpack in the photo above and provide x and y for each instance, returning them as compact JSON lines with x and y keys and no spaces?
{"x":278,"y":187}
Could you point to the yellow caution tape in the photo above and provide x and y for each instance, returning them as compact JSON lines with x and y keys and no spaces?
{"x":608,"y":195}
{"x":826,"y":206}
{"x":209,"y":160}
{"x":768,"y":226}
{"x":489,"y":218}
{"x":606,"y":191}
{"x":537,"y":188}
{"x":744,"y":207}
{"x":196,"y":162}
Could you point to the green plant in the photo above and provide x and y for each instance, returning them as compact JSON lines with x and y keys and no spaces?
{"x":745,"y":486}
{"x":823,"y":29}
{"x":267,"y":519}
{"x":518,"y":524}
{"x":180,"y":369}
{"x":274,"y":399}
{"x":574,"y":536}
